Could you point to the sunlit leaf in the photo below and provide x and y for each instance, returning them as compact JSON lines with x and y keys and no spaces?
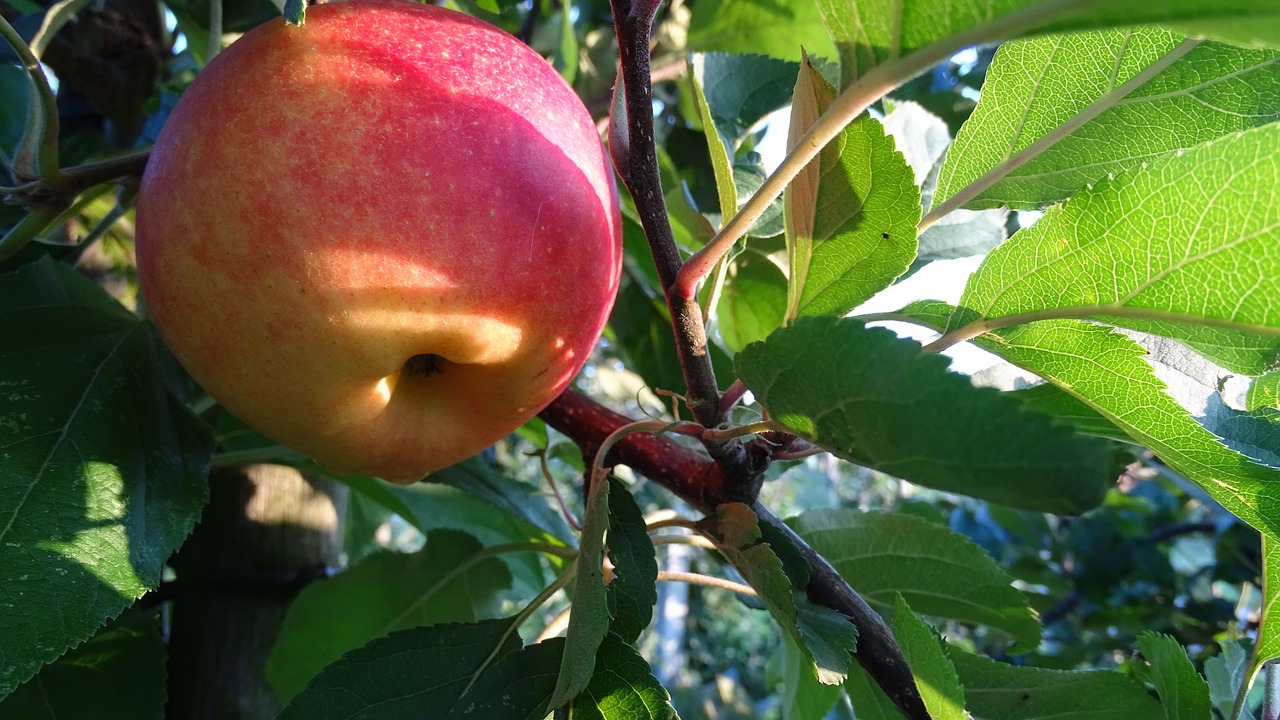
{"x":622,"y":688}
{"x":778,"y":28}
{"x":935,"y":676}
{"x":1038,"y":85}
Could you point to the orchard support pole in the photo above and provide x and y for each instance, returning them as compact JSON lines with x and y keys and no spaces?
{"x":267,"y":531}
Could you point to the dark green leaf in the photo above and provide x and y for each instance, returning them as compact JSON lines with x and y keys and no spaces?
{"x":480,"y":479}
{"x":435,"y":506}
{"x":410,"y":673}
{"x":634,"y":591}
{"x":876,"y":400}
{"x":118,"y":674}
{"x":1182,"y":691}
{"x":1053,"y":400}
{"x":517,"y":687}
{"x":449,"y":580}
{"x":996,"y":691}
{"x":870,"y":34}
{"x":940,"y":573}
{"x":623,"y":688}
{"x":925,"y":652}
{"x":102,"y":472}
{"x":295,"y":11}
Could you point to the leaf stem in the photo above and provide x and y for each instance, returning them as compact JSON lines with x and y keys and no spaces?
{"x":1093,"y":110}
{"x":744,"y":430}
{"x":521,"y":617}
{"x":37,"y":153}
{"x":707,"y":580}
{"x":36,"y":220}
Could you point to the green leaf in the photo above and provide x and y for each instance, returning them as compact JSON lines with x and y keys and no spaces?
{"x":14,"y":101}
{"x":1193,"y":238}
{"x":622,"y":688}
{"x":1108,"y":371}
{"x":1264,"y":392}
{"x":450,"y":579}
{"x":741,"y":90}
{"x":1228,"y":676}
{"x":868,"y":34}
{"x":589,"y":622}
{"x":479,"y":479}
{"x":517,"y":687}
{"x":812,"y":97}
{"x":102,"y":472}
{"x":295,"y":11}
{"x":1239,"y":351}
{"x":719,"y":147}
{"x":1053,"y":400}
{"x":926,"y":654}
{"x":876,"y":400}
{"x":410,"y":673}
{"x":939,"y":572}
{"x":118,"y":674}
{"x":1037,"y":85}
{"x":803,"y":697}
{"x":1267,"y":645}
{"x":634,"y":590}
{"x":825,"y":636}
{"x":565,"y":56}
{"x":778,"y":28}
{"x":869,"y":701}
{"x":434,"y":506}
{"x":753,"y":301}
{"x":1182,"y":691}
{"x":865,"y":214}
{"x":996,"y":691}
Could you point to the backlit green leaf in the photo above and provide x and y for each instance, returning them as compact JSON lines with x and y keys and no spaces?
{"x":935,"y":676}
{"x":940,"y":573}
{"x":1264,"y":392}
{"x":448,"y":580}
{"x":1038,"y":85}
{"x":878,"y":401}
{"x":102,"y":472}
{"x":870,"y":33}
{"x":1193,"y":238}
{"x":753,"y":301}
{"x":633,"y":591}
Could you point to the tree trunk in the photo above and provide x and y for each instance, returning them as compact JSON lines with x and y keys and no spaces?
{"x":268,"y":530}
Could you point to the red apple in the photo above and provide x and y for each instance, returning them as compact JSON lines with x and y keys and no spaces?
{"x":385,"y":238}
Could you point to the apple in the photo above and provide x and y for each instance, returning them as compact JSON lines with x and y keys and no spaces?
{"x":385,"y":238}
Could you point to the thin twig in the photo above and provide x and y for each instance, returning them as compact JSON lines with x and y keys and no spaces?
{"x":707,"y":580}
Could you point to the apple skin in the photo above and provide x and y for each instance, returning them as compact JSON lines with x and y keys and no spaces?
{"x":385,"y":238}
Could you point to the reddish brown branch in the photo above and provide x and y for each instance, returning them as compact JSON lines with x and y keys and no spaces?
{"x":701,"y":482}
